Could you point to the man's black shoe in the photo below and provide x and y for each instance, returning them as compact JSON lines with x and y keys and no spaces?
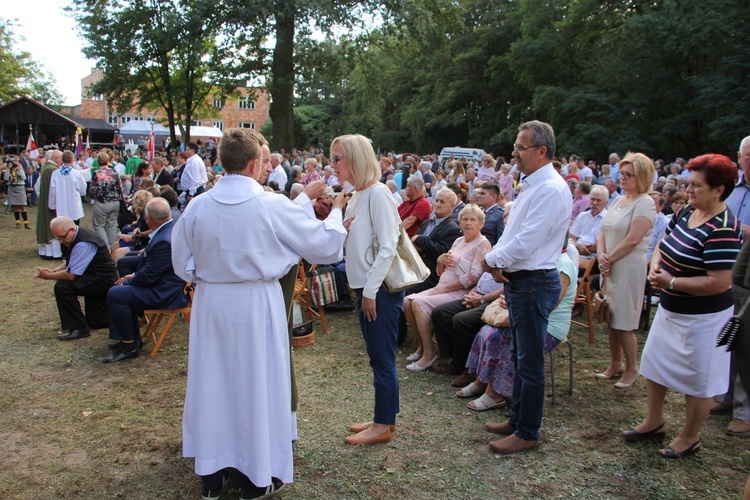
{"x":258,"y":493}
{"x":119,"y":355}
{"x":74,"y":334}
{"x":116,"y":346}
{"x":340,"y":305}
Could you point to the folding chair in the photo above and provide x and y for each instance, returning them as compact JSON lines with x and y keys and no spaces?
{"x":154,"y":317}
{"x":585,"y":297}
{"x":303,"y":295}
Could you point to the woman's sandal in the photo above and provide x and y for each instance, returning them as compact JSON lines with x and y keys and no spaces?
{"x":485,"y":402}
{"x":470,"y":390}
{"x":668,"y":452}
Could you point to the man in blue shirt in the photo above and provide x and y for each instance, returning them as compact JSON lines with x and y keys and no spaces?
{"x":88,"y":272}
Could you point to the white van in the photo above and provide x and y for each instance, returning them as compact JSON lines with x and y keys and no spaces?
{"x":475,"y":154}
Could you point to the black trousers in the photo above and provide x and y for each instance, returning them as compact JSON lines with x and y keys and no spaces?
{"x":455,"y":328}
{"x":95,"y":298}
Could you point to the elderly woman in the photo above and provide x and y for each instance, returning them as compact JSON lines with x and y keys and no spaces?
{"x":487,"y":169}
{"x":106,"y":192}
{"x":693,"y":269}
{"x":621,"y":252}
{"x":679,"y":200}
{"x":459,"y":270}
{"x":505,"y":182}
{"x":581,"y":201}
{"x":311,"y":174}
{"x":371,"y":214}
{"x":490,"y":357}
{"x":139,"y":228}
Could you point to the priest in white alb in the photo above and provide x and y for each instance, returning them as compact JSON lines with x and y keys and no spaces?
{"x":233,"y":243}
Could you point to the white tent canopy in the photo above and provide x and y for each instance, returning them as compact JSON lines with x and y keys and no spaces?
{"x":143,"y":127}
{"x":196,"y":131}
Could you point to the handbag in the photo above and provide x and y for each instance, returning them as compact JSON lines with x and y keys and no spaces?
{"x":729,"y":333}
{"x":407,"y":268}
{"x":496,"y":315}
{"x":322,"y":284}
{"x":601,"y":305}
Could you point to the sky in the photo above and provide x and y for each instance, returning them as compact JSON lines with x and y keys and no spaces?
{"x":45,"y":30}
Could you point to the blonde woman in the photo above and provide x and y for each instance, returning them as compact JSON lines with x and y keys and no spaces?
{"x":621,"y":252}
{"x":371,"y":214}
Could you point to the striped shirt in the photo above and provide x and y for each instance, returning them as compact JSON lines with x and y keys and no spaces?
{"x":685,"y":252}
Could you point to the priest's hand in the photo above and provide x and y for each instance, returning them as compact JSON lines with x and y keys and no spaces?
{"x":315,"y":189}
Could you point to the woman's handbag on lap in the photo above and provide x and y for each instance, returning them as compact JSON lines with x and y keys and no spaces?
{"x":496,"y":315}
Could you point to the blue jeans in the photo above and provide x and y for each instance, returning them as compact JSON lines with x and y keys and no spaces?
{"x":381,"y":337}
{"x":530,"y":301}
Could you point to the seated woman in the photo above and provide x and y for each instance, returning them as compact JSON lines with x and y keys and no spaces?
{"x":459,"y":270}
{"x":129,"y":232}
{"x":143,"y":170}
{"x":490,"y":357}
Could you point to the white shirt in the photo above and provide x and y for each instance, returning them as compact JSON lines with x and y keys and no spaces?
{"x":279,"y":176}
{"x":194,"y":175}
{"x":119,"y":168}
{"x":65,"y":193}
{"x":538,"y":221}
{"x":332,"y":181}
{"x":587,"y":226}
{"x":585,"y":174}
{"x":398,"y":198}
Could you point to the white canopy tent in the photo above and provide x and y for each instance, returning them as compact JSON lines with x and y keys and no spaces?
{"x":137,"y":128}
{"x":202,"y":132}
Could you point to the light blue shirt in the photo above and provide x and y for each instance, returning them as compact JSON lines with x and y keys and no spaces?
{"x":739,"y":201}
{"x":80,"y":257}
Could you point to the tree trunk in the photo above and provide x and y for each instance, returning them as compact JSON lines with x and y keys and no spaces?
{"x":282,"y":81}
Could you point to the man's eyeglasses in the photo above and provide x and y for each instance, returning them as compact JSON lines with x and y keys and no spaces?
{"x":521,"y":147}
{"x":64,"y":235}
{"x":626,"y":175}
{"x":336,"y":159}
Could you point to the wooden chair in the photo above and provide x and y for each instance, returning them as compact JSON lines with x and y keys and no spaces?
{"x":303,"y":295}
{"x":154,"y":318}
{"x":585,"y":297}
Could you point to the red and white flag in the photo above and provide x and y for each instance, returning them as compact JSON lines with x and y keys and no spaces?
{"x":31,"y":146}
{"x":88,"y":144}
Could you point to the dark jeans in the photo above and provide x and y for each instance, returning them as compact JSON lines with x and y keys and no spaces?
{"x":455,"y":328}
{"x":95,"y":297}
{"x":380,"y":339}
{"x":530,"y":301}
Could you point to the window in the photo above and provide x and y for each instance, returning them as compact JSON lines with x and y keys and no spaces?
{"x":113,"y":120}
{"x":126,"y":119}
{"x":218,"y":103}
{"x":151,"y":119}
{"x":246,"y":103}
{"x":219,"y":125}
{"x":138,"y":118}
{"x":247,"y":125}
{"x":195,"y":123}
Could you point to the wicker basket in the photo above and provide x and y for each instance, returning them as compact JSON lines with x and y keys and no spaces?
{"x":304,"y":340}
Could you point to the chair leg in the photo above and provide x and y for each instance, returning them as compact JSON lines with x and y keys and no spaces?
{"x":590,"y":313}
{"x":552,"y":376}
{"x":153,"y":326}
{"x":322,"y":317}
{"x":570,"y":349}
{"x":164,"y":333}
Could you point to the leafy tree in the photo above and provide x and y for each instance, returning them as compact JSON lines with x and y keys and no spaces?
{"x":157,"y":54}
{"x":20,"y":74}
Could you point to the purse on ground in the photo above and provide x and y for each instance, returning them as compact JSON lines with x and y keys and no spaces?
{"x":601,"y":305}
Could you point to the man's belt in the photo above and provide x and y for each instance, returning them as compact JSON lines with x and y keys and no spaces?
{"x":519,"y":275}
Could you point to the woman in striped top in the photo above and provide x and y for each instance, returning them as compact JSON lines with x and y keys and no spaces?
{"x":693,"y":269}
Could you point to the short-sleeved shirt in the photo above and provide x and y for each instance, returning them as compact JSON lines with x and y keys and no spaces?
{"x":685,"y":252}
{"x":419,"y":208}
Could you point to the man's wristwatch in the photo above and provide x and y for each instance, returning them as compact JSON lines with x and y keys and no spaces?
{"x":481,"y":301}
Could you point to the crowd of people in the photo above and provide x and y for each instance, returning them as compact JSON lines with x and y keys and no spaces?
{"x":490,"y":231}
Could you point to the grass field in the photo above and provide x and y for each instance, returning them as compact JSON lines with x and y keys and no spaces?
{"x":71,"y":427}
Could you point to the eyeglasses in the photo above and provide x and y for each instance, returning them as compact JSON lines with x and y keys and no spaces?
{"x":626,"y":175}
{"x":336,"y":159}
{"x":521,"y":147}
{"x":64,"y":235}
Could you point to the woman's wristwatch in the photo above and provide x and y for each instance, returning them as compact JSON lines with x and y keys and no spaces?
{"x":671,"y":283}
{"x":482,"y":301}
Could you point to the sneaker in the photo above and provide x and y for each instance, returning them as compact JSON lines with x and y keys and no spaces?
{"x":263,"y":492}
{"x":216,"y":494}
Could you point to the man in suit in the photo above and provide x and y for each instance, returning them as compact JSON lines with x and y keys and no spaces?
{"x":88,"y":272}
{"x":153,"y":285}
{"x":490,"y":199}
{"x":31,"y":177}
{"x":162,"y":177}
{"x":434,"y":238}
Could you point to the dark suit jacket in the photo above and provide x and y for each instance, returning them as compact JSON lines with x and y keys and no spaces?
{"x":433,"y":246}
{"x":164,"y":179}
{"x":155,"y":281}
{"x":493,"y":224}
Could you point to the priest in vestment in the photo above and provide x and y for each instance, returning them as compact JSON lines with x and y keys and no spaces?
{"x":48,"y":246}
{"x":234,"y":242}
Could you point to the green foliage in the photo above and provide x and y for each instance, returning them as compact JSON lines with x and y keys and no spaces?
{"x":20,"y":75}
